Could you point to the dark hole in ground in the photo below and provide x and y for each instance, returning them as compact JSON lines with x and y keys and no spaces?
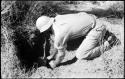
{"x":29,"y":54}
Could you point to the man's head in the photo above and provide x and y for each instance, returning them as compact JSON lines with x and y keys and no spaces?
{"x":44,"y":22}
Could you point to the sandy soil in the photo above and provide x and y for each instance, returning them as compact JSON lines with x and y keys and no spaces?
{"x":102,"y":67}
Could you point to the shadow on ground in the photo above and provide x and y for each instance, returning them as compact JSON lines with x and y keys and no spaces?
{"x":27,"y":53}
{"x":69,"y":62}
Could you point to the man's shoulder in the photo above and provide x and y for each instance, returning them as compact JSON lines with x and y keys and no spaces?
{"x":71,"y":15}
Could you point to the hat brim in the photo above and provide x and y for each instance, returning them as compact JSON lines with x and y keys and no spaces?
{"x":47,"y":26}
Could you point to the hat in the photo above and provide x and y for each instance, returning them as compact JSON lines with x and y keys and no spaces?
{"x":43,"y":23}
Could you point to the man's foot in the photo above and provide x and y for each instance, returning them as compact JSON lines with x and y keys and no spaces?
{"x":113,"y":40}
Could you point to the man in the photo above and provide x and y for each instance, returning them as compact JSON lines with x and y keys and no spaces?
{"x":71,"y":26}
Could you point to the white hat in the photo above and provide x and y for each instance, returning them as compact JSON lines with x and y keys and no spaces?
{"x":43,"y":23}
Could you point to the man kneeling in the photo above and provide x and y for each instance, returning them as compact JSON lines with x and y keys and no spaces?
{"x":71,"y":26}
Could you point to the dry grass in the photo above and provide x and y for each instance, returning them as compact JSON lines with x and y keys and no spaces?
{"x":20,"y":17}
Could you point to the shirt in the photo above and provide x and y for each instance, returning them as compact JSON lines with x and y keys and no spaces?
{"x":71,"y":26}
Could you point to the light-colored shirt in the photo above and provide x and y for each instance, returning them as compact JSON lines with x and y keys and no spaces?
{"x":71,"y":26}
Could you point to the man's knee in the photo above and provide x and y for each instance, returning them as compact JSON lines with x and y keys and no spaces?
{"x":78,"y":56}
{"x":88,"y":55}
{"x":85,"y":57}
{"x":82,"y":55}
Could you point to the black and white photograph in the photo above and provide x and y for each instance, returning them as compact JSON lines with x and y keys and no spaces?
{"x":62,"y":39}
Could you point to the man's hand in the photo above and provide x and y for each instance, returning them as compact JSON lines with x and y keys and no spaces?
{"x":50,"y":57}
{"x":52,"y":64}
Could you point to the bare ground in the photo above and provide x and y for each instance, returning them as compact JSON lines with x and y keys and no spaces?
{"x":106,"y":66}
